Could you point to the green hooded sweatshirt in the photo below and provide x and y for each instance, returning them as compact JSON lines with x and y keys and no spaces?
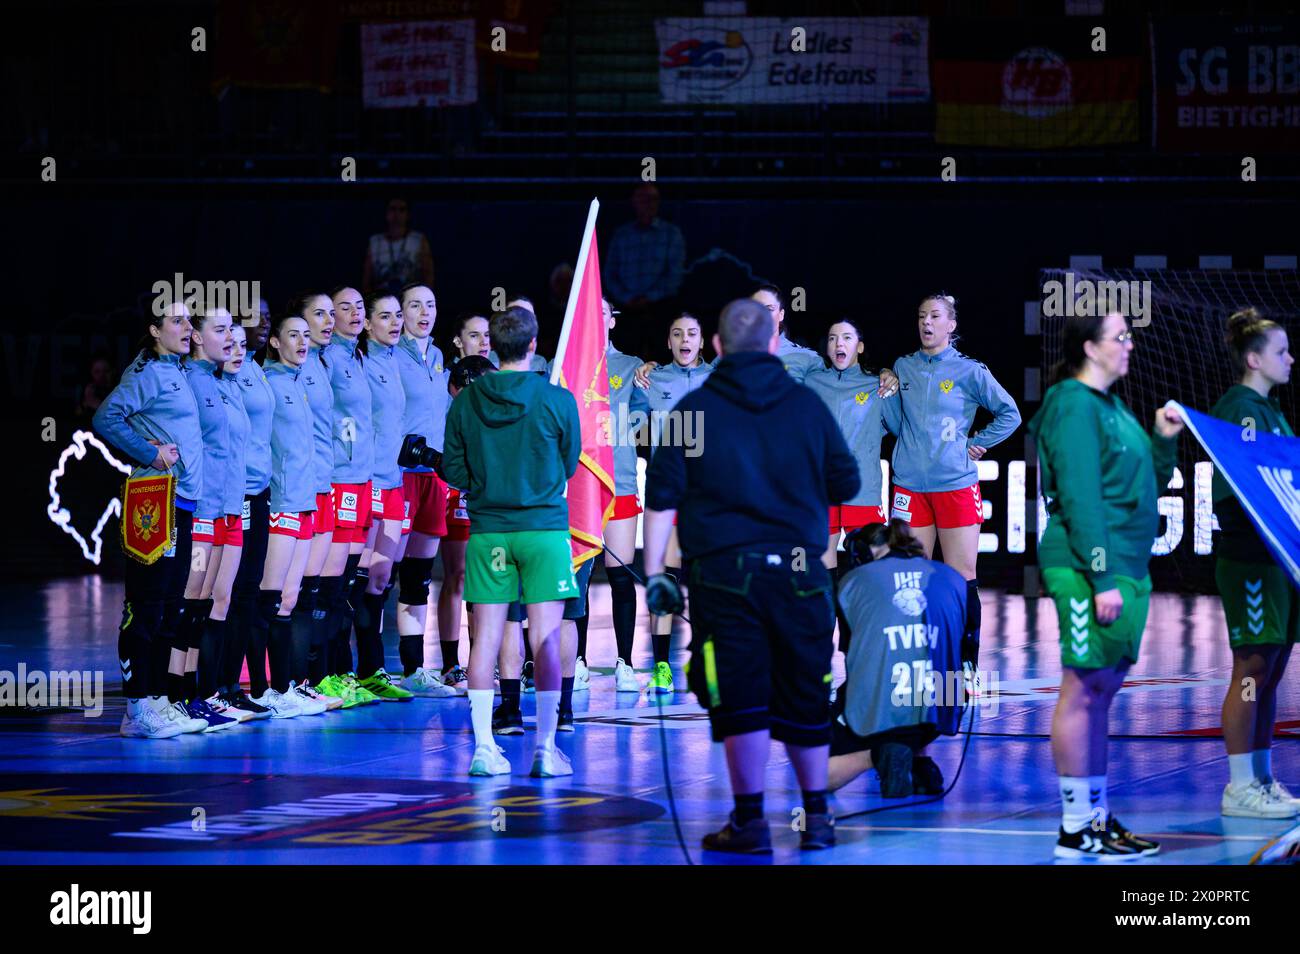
{"x":1245,"y":407}
{"x":513,"y":440}
{"x":1103,"y":474}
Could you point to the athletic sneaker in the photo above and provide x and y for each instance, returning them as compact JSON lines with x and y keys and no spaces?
{"x":550,"y":762}
{"x":331,"y":702}
{"x":239,"y":701}
{"x":507,"y":720}
{"x":565,"y":724}
{"x":359,"y":693}
{"x":339,"y":688}
{"x":1104,"y":846}
{"x":893,"y":762}
{"x":1282,"y":850}
{"x":382,"y":685}
{"x":1144,"y":845}
{"x":752,"y":838}
{"x":625,"y":679}
{"x":176,"y":713}
{"x":662,"y":680}
{"x":1278,"y":790}
{"x":526,"y":678}
{"x":199,"y":709}
{"x":427,"y":683}
{"x":281,"y":706}
{"x":818,"y":832}
{"x":222,"y":707}
{"x":1254,"y":800}
{"x":489,"y":760}
{"x":456,"y":679}
{"x":143,"y":721}
{"x":308,"y":701}
{"x":581,"y":677}
{"x":926,"y":777}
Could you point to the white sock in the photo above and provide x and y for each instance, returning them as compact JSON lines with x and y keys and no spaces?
{"x":1097,"y":794}
{"x":548,"y":717}
{"x":1263,"y":763}
{"x":480,"y":713}
{"x":1241,"y":768}
{"x":1076,"y":809}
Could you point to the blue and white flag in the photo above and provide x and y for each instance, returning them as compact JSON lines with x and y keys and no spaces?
{"x":1263,"y":473}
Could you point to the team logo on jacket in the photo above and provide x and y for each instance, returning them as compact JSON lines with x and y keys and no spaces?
{"x":862,"y":397}
{"x":945,"y":385}
{"x":615,"y":382}
{"x":909,"y":600}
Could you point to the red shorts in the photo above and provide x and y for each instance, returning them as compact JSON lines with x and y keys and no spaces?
{"x":625,"y":506}
{"x":227,"y":531}
{"x":946,"y":508}
{"x":300,"y":526}
{"x":389,"y":505}
{"x":457,"y":515}
{"x":426,"y":503}
{"x":323,"y":520}
{"x":848,"y":517}
{"x":350,"y":504}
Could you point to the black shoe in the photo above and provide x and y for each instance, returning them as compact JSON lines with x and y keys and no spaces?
{"x":526,"y":678}
{"x":751,"y":838}
{"x":238,"y":700}
{"x":1144,"y":846}
{"x":507,"y":720}
{"x":893,"y":762}
{"x":1105,"y":845}
{"x":818,"y":832}
{"x":566,"y":722}
{"x":926,"y":777}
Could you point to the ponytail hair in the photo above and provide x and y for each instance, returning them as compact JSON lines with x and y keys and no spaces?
{"x":1248,"y":332}
{"x":1079,"y":330}
{"x":896,"y":535}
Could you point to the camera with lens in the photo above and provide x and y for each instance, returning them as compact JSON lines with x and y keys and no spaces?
{"x":416,"y":452}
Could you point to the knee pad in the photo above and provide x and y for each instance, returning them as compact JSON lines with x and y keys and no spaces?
{"x":414,"y":574}
{"x":622,"y":586}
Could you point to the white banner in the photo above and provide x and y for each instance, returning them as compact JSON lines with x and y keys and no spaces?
{"x":794,"y":60}
{"x":418,"y":63}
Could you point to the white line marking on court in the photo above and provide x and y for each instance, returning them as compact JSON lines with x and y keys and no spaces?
{"x":1022,"y":833}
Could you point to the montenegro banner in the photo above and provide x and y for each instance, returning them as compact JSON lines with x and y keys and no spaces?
{"x":149,"y":517}
{"x":1264,"y":473}
{"x":580,"y":366}
{"x":1036,"y":83}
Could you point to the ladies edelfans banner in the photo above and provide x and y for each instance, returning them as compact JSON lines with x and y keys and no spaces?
{"x":1029,"y":84}
{"x":764,"y":60}
{"x":418,"y":63}
{"x":1223,"y":84}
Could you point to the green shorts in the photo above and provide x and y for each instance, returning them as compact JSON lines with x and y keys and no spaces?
{"x":1086,"y":644}
{"x":1259,"y":602}
{"x":497,"y":564}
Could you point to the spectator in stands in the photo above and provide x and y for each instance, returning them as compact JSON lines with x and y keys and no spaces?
{"x":397,"y":256}
{"x":96,"y":389}
{"x":647,"y":258}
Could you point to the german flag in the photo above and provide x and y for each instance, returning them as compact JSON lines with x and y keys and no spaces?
{"x":1030,"y":84}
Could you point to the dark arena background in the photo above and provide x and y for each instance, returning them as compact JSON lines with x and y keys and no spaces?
{"x":981,"y":149}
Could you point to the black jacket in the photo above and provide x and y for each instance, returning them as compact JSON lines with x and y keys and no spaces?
{"x":769,"y":462}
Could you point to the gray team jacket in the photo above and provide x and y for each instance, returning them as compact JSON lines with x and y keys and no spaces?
{"x":225,"y":435}
{"x":425,"y":383}
{"x":798,"y":360}
{"x":293,"y":443}
{"x":859,"y":411}
{"x":320,"y":393}
{"x":669,"y":383}
{"x":353,"y":434}
{"x":387,"y":410}
{"x":939,"y":396}
{"x":153,"y":401}
{"x":259,"y":405}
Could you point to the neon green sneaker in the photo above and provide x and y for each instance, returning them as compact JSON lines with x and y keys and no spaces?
{"x":662,"y":680}
{"x":360,"y":695}
{"x":382,"y":685}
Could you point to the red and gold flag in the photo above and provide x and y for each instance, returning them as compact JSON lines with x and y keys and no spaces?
{"x":149,"y":517}
{"x":580,"y":366}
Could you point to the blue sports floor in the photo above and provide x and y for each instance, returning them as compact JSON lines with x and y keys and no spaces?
{"x":388,"y":782}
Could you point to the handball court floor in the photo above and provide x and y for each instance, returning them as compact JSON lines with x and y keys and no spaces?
{"x":388,"y":782}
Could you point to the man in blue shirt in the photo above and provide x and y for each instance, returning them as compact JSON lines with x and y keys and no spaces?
{"x":644,"y":268}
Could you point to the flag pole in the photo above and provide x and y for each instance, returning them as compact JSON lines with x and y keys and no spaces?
{"x":588,"y":233}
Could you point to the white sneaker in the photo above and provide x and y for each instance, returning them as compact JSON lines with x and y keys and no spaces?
{"x":581,"y":677}
{"x":625,"y":679}
{"x":427,"y":683}
{"x":174,"y":712}
{"x":143,"y":721}
{"x":489,"y":760}
{"x":331,"y":702}
{"x":550,"y":762}
{"x":307,"y":700}
{"x":230,"y":712}
{"x":281,"y":706}
{"x":1254,"y":800}
{"x":1280,"y":792}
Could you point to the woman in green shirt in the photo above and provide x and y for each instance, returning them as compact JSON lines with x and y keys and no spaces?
{"x":1260,"y":603}
{"x":1103,"y":474}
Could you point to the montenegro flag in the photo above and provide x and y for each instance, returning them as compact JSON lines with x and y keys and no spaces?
{"x":580,"y":366}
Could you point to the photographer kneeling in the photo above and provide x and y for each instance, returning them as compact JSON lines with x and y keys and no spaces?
{"x":905,"y":681}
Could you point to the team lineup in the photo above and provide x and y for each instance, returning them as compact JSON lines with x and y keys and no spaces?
{"x":330,"y":453}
